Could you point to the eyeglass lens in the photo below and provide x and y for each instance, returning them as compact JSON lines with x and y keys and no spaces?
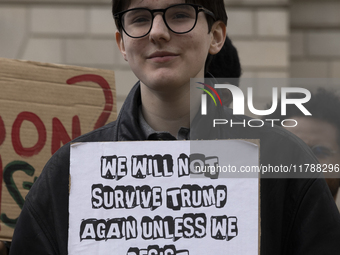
{"x":321,"y":151}
{"x":180,"y":19}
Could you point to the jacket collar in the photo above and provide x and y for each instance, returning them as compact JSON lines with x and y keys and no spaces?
{"x":127,"y":125}
{"x":128,"y":128}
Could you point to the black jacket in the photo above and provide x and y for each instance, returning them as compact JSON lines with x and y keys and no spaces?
{"x":298,"y":216}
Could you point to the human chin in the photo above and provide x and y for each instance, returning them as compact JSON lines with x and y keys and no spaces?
{"x":163,"y":80}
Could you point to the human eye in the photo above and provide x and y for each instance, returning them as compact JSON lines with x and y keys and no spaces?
{"x":137,"y":17}
{"x":140,"y":19}
{"x":321,"y":152}
{"x":181,"y":13}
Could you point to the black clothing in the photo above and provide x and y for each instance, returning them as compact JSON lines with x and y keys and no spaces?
{"x":298,"y":216}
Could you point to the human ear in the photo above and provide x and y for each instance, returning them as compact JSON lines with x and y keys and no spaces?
{"x":120,"y":43}
{"x":219,"y":33}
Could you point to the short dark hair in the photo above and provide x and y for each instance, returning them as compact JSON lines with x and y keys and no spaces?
{"x":226,"y":63}
{"x":215,"y":6}
{"x":323,"y":105}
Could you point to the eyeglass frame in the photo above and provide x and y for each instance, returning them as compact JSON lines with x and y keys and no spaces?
{"x":198,"y":8}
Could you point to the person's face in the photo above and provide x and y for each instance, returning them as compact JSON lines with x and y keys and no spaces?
{"x":164,"y":60}
{"x":315,"y":132}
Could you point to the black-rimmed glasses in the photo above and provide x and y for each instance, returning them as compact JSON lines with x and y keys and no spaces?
{"x":179,"y":18}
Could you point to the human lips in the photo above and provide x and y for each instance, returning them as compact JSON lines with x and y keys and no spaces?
{"x":162,"y":56}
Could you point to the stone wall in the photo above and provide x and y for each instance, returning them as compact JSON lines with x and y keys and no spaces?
{"x":65,"y":33}
{"x":274,"y":38}
{"x":315,"y":39}
{"x":81,"y":32}
{"x":260,"y":31}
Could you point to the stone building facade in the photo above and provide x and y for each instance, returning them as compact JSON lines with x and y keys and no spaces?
{"x":275,"y":38}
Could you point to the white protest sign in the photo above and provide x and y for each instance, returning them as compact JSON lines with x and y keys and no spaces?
{"x":140,"y":198}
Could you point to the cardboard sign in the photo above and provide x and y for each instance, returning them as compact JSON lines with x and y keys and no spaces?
{"x":44,"y":106}
{"x":137,"y":198}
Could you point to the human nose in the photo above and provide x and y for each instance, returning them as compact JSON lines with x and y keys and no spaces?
{"x":159,"y":30}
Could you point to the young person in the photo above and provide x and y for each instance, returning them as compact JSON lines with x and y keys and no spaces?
{"x":166,"y":46}
{"x":321,"y":131}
